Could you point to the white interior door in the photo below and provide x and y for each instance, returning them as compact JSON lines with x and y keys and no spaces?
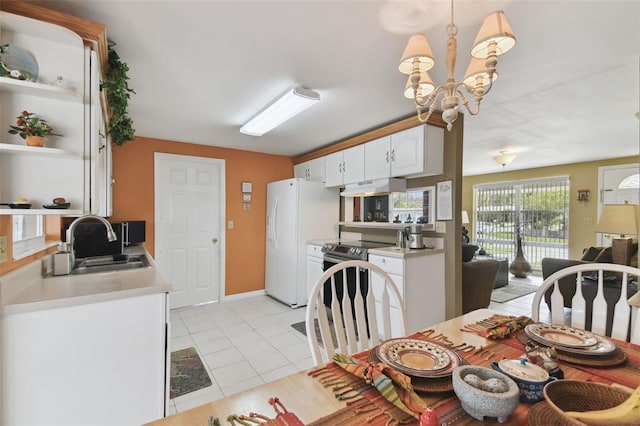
{"x":189,"y":226}
{"x":618,"y":185}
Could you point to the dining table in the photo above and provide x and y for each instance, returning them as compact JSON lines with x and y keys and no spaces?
{"x":312,"y":397}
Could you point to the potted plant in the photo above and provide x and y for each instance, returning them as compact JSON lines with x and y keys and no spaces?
{"x":32,"y":128}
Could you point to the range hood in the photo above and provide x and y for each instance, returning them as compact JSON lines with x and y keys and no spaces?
{"x":374,"y":187}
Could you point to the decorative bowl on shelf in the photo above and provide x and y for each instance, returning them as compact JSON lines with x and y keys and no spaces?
{"x":17,"y":205}
{"x":57,"y":206}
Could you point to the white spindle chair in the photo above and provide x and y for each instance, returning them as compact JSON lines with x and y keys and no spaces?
{"x":622,"y":311}
{"x":384,"y":305}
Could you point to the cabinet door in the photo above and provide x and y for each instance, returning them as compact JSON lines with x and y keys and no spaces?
{"x":407,"y":152}
{"x":333,"y":169}
{"x":314,"y":271}
{"x":377,"y":159}
{"x":353,"y":171}
{"x":316,"y":170}
{"x":301,"y":171}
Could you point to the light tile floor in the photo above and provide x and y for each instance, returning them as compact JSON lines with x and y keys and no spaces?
{"x":247,"y":342}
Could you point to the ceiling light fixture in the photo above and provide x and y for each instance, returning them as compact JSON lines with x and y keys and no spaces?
{"x":287,"y":106}
{"x":494,"y":38}
{"x":504,"y":159}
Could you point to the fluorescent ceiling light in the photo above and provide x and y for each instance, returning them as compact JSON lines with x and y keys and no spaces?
{"x":287,"y":106}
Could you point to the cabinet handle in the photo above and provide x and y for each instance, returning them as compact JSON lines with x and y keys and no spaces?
{"x":386,"y":156}
{"x":393,"y":155}
{"x":214,"y":240}
{"x":101,"y":147}
{"x":384,"y":260}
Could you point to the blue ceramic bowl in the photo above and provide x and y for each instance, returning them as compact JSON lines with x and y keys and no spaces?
{"x":530,"y":378}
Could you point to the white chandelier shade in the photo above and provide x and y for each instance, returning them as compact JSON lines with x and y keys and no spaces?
{"x":495,"y":29}
{"x":418,"y":49}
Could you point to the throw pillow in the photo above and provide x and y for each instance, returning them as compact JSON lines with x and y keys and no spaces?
{"x":590,"y":253}
{"x":604,"y":256}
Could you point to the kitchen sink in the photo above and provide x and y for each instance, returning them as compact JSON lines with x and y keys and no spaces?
{"x":91,"y":265}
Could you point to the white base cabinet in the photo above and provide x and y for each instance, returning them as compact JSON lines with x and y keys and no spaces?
{"x":314,"y":265}
{"x":94,"y":364}
{"x":420,"y":280}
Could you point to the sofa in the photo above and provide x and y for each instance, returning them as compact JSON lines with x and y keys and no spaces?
{"x":589,"y":284}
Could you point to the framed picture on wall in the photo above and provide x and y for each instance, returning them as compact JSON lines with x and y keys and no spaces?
{"x":444,"y":205}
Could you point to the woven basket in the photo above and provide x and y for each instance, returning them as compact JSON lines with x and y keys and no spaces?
{"x":575,"y":395}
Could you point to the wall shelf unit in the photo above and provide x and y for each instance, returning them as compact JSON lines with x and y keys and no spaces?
{"x":60,"y":212}
{"x":9,"y":148}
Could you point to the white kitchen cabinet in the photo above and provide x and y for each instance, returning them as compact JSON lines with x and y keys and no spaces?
{"x":98,"y":363}
{"x":63,"y":167}
{"x":344,"y":167}
{"x":420,"y":279}
{"x":313,"y":170}
{"x":314,"y":265}
{"x":417,"y":151}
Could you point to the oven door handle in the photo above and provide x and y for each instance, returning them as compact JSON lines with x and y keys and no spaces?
{"x":332,"y":259}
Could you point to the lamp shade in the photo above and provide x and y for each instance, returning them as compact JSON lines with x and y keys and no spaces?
{"x":417,"y":48}
{"x":477,"y":70}
{"x":495,"y":29}
{"x":425,"y":86}
{"x":621,"y":219}
{"x":465,"y":217}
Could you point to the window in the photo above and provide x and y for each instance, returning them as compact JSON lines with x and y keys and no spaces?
{"x":28,"y":235}
{"x":414,"y":204}
{"x":536,"y":209}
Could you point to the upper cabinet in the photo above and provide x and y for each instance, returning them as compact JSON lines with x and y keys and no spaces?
{"x":62,"y":95}
{"x":312,"y":170}
{"x":344,"y":167}
{"x":413,"y":152}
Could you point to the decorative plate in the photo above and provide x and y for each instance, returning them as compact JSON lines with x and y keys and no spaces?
{"x":603,"y":347}
{"x":560,"y":335}
{"x":417,"y":357}
{"x":423,"y":384}
{"x":57,"y":206}
{"x":18,"y":63}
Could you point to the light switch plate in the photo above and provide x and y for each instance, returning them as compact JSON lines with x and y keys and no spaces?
{"x":441,"y":227}
{"x":3,"y":249}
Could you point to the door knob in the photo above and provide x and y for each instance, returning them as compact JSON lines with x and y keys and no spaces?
{"x":214,"y":240}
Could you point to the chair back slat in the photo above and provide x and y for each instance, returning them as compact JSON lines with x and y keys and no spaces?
{"x":622,"y":313}
{"x":599,"y":311}
{"x":358,"y":319}
{"x":578,"y":306}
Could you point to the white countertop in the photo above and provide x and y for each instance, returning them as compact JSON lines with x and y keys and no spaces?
{"x":404,"y":252}
{"x":26,"y":290}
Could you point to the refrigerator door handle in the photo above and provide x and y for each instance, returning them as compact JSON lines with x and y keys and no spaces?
{"x":274,"y":232}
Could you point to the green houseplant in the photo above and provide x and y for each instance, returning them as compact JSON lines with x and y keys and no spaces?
{"x":118,"y":94}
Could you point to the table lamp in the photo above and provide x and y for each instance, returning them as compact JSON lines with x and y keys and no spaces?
{"x":465,"y":231}
{"x":620,"y":219}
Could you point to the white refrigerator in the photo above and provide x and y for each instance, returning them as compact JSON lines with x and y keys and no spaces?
{"x":297,"y":211}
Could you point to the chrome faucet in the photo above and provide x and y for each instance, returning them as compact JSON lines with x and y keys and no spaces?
{"x":111,"y":236}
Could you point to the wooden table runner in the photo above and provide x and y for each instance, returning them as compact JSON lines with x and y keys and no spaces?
{"x":366,"y":406}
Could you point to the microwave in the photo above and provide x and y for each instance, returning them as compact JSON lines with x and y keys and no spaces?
{"x":91,"y":238}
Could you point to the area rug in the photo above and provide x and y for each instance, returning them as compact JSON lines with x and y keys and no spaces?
{"x":302,"y":328}
{"x":512,"y":291}
{"x":188,"y":374}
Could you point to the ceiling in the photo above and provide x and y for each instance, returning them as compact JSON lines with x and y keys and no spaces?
{"x":567,"y":92}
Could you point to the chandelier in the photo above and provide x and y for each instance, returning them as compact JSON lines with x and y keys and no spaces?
{"x":494,"y":38}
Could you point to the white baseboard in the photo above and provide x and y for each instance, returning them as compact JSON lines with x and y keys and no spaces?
{"x":241,"y":296}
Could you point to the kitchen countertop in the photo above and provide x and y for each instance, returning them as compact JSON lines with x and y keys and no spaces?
{"x":403,"y":253}
{"x":26,"y":290}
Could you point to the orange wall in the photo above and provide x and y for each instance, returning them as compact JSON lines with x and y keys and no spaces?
{"x":245,"y":243}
